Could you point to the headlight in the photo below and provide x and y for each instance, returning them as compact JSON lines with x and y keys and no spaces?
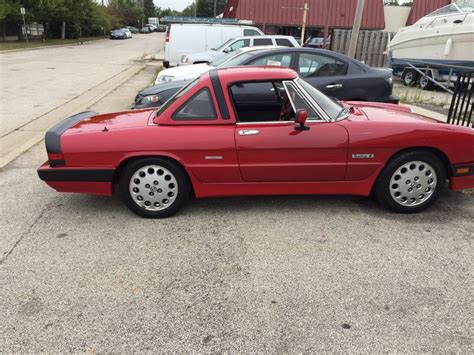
{"x":166,"y":78}
{"x":185,"y":59}
{"x":150,"y":98}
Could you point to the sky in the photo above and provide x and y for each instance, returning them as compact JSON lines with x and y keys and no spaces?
{"x":173,"y":4}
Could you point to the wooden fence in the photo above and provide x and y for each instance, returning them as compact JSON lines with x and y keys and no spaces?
{"x":371,"y":46}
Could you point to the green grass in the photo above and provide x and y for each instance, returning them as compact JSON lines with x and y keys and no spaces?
{"x":49,"y":42}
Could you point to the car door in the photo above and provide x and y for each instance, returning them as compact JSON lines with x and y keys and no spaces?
{"x":327,"y":74}
{"x":273,"y":151}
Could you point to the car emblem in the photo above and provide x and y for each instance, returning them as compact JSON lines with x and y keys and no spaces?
{"x":363,"y":156}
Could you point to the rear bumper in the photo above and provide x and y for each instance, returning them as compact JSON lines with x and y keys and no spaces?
{"x":462,"y":177}
{"x":79,"y":180}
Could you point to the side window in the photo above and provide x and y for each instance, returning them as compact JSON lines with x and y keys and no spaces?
{"x":315,"y":65}
{"x":198,"y":107}
{"x":262,"y":42}
{"x":284,"y":42}
{"x":276,"y":60}
{"x":261,"y":102}
{"x":250,"y":32}
{"x":239,"y":44}
{"x":298,"y":102}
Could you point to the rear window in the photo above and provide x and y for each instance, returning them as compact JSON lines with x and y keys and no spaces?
{"x":284,"y":42}
{"x":198,"y":107}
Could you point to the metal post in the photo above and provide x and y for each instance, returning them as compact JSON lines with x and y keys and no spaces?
{"x":356,"y":28}
{"x":303,"y":27}
{"x":23,"y":12}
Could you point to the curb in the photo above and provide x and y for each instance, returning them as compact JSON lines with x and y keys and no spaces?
{"x":50,"y":46}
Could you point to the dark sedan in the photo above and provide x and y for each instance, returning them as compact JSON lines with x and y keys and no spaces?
{"x":118,"y":34}
{"x":157,"y":95}
{"x":335,"y":74}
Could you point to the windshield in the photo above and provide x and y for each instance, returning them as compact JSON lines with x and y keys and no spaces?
{"x":331,"y":107}
{"x":176,"y":96}
{"x":223,"y":45}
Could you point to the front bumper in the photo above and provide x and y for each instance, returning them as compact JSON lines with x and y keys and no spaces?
{"x":462,"y":177}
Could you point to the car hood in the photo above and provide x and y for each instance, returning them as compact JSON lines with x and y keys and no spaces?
{"x":112,"y":121}
{"x":391,"y":113}
{"x":185,"y":72}
{"x":156,"y":89}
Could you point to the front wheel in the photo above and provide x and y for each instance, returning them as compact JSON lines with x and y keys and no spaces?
{"x":411,"y":182}
{"x":154,"y":187}
{"x":410,"y":77}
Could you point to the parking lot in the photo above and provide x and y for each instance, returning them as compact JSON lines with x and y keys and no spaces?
{"x":266,"y":274}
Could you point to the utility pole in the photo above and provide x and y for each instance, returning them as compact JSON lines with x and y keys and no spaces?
{"x":305,"y":16}
{"x":215,"y":8}
{"x":356,"y":28}
{"x":303,"y":27}
{"x":23,"y":12}
{"x":195,"y":8}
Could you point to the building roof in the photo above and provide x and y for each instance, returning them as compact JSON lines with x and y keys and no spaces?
{"x":422,"y":8}
{"x":322,"y":13}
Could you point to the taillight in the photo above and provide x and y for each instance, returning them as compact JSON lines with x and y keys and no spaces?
{"x":167,"y":38}
{"x":56,"y":159}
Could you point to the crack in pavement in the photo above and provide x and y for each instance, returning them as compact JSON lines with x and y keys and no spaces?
{"x":23,"y":235}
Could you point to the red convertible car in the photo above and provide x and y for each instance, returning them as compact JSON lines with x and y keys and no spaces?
{"x":258,"y":131}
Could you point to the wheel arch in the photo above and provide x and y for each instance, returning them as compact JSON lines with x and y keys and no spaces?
{"x":435,"y":151}
{"x":123,"y":163}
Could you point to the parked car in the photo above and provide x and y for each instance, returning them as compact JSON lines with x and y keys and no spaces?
{"x":151,"y":26}
{"x":186,"y":39}
{"x":132,"y":29}
{"x":128,"y":32}
{"x":118,"y":34}
{"x":157,"y":95}
{"x":161,"y":28}
{"x":335,"y":74}
{"x":237,"y":43}
{"x":317,"y":42}
{"x":190,"y":72}
{"x":145,"y":29}
{"x":258,"y":131}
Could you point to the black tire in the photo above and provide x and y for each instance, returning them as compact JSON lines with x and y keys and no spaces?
{"x":426,"y":84}
{"x":179,"y":179}
{"x":410,"y":77}
{"x":387,"y":186}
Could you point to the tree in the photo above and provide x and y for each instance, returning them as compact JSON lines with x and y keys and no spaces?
{"x":149,"y":8}
{"x":205,"y":8}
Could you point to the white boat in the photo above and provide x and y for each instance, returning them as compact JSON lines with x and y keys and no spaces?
{"x":443,"y":37}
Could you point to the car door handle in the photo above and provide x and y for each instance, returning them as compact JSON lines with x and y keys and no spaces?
{"x":334,"y":86}
{"x":248,"y":132}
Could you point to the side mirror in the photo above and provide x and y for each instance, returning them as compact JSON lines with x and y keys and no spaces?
{"x":227,"y":50}
{"x":300,"y":120}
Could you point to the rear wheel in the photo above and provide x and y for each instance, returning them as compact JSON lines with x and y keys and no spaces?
{"x":154,"y":187}
{"x":411,"y":182}
{"x":426,"y":83}
{"x":410,"y":77}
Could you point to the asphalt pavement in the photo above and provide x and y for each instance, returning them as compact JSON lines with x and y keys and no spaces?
{"x":269,"y":274}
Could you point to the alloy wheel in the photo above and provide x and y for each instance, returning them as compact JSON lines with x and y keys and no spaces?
{"x":153,"y":187}
{"x":413,"y":183}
